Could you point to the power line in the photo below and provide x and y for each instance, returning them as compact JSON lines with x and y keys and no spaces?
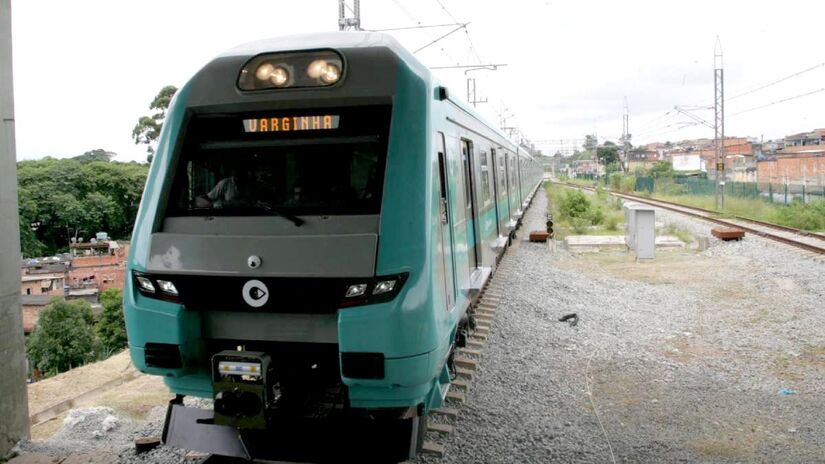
{"x":778,"y":102}
{"x":466,"y":32}
{"x":442,"y":37}
{"x":424,"y":26}
{"x":783,"y":79}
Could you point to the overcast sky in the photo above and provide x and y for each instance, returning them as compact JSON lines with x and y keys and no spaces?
{"x":86,"y":70}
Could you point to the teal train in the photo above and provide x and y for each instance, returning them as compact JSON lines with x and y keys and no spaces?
{"x":319,"y":216}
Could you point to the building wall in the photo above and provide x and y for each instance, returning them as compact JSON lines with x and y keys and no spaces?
{"x":793,"y":170}
{"x":30,"y":315}
{"x":106,"y":271}
{"x":35,"y":287}
{"x":14,"y":410}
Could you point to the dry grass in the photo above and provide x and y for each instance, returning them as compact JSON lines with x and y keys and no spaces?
{"x":76,"y":381}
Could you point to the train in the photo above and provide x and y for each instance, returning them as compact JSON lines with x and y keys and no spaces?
{"x":319,"y":216}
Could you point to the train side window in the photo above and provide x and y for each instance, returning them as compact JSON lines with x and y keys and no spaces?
{"x":465,"y":156}
{"x":445,"y":218}
{"x":502,"y":176}
{"x":485,"y":179}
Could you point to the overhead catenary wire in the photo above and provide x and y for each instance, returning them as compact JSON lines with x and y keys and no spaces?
{"x":442,"y":37}
{"x":778,"y":81}
{"x":777,"y":102}
{"x":421,"y":26}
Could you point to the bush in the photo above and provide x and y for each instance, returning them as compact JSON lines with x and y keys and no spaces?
{"x":611,"y":222}
{"x":574,"y":204}
{"x":63,"y":338}
{"x":580,"y":225}
{"x":111,"y":328}
{"x":809,"y":216}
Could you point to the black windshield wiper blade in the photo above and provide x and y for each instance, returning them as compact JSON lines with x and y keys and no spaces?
{"x":279,"y":212}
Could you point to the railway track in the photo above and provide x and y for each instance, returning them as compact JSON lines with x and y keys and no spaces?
{"x":798,"y":238}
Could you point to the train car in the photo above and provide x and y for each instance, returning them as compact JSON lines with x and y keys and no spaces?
{"x":319,"y":215}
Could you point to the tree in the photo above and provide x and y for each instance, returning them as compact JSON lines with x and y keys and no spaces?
{"x":98,"y":154}
{"x":147,"y":130}
{"x":662,"y":169}
{"x":111,"y":328}
{"x":61,"y":199}
{"x":63,"y":338}
{"x":590,"y":143}
{"x":608,"y":153}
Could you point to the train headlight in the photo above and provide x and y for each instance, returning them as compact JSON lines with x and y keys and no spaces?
{"x":292,"y":70}
{"x":145,"y":284}
{"x":356,"y":290}
{"x":167,"y":287}
{"x":385,"y":286}
{"x":331,"y":74}
{"x":279,"y":76}
{"x":264,"y":71}
{"x":316,"y":68}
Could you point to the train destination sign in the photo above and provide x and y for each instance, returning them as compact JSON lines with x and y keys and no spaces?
{"x":292,"y":123}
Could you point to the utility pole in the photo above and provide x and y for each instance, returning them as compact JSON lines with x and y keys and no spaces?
{"x":719,"y":122}
{"x":345,"y":23}
{"x":14,"y":411}
{"x":625,"y":135}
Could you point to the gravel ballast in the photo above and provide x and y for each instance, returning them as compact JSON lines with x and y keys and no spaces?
{"x":713,"y":356}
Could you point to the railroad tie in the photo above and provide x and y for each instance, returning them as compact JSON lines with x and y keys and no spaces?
{"x":439,"y":428}
{"x":433,"y":448}
{"x":449,"y":412}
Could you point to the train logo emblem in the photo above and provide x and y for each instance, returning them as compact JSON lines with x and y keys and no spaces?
{"x":255,"y":293}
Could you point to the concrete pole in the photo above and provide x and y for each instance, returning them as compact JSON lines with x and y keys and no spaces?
{"x":14,"y":410}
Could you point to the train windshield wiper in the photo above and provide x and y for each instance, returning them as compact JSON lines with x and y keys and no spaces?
{"x":279,"y":212}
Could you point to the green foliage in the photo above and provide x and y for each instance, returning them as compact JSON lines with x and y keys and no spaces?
{"x":574,"y":204}
{"x":111,"y":328}
{"x":63,"y":338}
{"x":611,"y":222}
{"x":662,"y":169}
{"x":676,"y":231}
{"x":64,"y":198}
{"x":147,"y":130}
{"x":608,"y":154}
{"x":601,"y":193}
{"x":810,"y":216}
{"x":95,"y":155}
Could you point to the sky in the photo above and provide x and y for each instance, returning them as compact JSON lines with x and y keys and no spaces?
{"x":85,"y":70}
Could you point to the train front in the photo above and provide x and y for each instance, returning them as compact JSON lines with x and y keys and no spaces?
{"x":278,"y":264}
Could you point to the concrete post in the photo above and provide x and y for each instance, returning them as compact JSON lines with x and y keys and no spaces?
{"x":14,"y":410}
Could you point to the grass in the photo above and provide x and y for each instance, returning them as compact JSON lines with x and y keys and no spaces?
{"x":608,"y":210}
{"x":676,"y":231}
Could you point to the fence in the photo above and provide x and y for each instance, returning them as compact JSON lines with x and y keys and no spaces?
{"x":775,"y":193}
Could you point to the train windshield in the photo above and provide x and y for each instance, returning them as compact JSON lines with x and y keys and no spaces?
{"x":322,"y":163}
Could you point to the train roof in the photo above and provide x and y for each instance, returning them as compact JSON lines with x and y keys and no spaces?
{"x":352,"y":41}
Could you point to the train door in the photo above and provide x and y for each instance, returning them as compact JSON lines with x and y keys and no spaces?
{"x":496,"y":189}
{"x":469,"y":198}
{"x":502,"y":171}
{"x":445,"y":231}
{"x":508,"y":175}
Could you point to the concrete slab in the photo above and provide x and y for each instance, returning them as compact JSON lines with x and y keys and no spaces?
{"x":669,"y":241}
{"x":596,"y":243}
